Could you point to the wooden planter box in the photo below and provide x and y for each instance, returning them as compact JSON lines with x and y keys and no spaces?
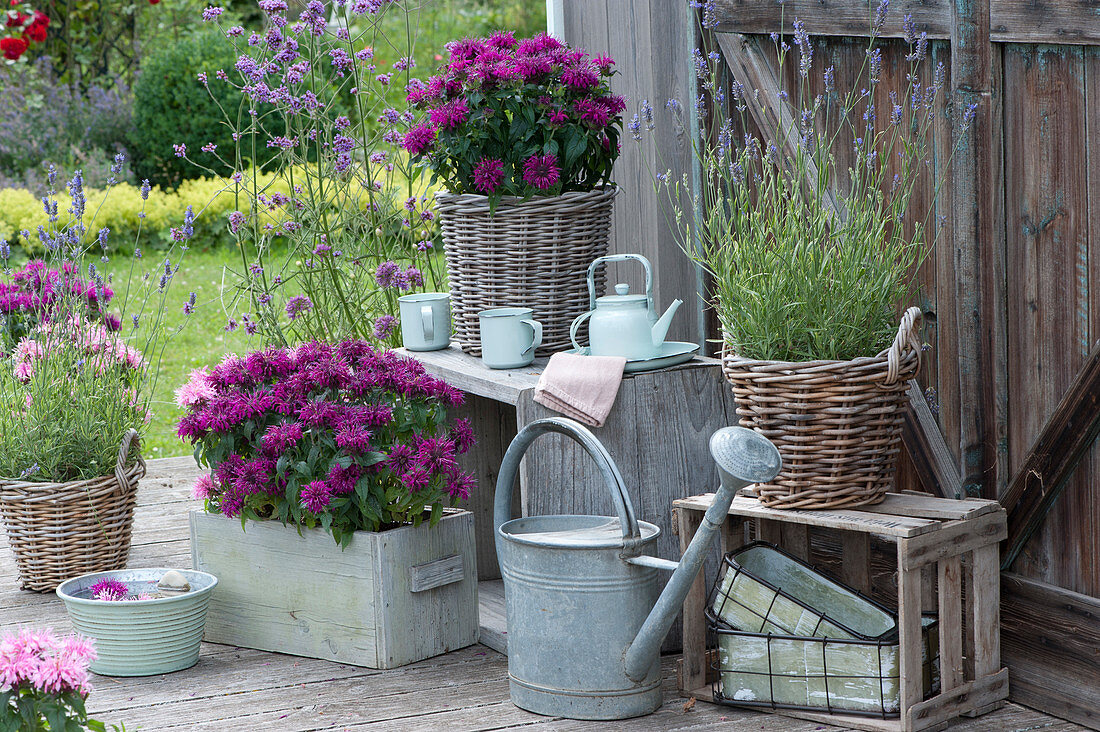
{"x":388,"y":599}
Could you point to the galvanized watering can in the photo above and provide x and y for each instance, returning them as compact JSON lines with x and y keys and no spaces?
{"x":585,"y":622}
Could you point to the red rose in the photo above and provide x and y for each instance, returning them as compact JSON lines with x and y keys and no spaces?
{"x":153,"y":2}
{"x":15,"y":21}
{"x":12,"y":48}
{"x":37,"y":29}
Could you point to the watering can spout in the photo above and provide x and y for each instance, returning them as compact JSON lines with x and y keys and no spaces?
{"x":743,"y":457}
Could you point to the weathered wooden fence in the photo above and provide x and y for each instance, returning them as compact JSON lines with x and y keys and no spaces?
{"x":1012,"y":290}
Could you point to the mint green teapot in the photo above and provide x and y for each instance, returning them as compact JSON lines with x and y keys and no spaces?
{"x":623,"y":324}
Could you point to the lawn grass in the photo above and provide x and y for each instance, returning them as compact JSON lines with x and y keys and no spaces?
{"x":203,"y":340}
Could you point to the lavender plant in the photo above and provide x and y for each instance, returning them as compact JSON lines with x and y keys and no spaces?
{"x":327,"y":259}
{"x":79,"y":377}
{"x":810,"y":260}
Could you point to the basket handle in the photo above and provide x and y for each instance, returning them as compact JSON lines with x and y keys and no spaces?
{"x":906,"y":339}
{"x":509,"y":468}
{"x":129,"y":440}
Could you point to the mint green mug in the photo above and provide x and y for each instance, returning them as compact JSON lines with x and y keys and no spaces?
{"x":509,"y":337}
{"x":425,"y":321}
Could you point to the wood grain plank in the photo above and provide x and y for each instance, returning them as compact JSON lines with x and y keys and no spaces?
{"x":1048,"y":317}
{"x":693,"y":667}
{"x":1051,"y":645}
{"x":1059,"y":21}
{"x":950,"y":621}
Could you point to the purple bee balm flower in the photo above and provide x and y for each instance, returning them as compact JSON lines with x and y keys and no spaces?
{"x":316,"y":496}
{"x":557,"y":118}
{"x":460,"y":485}
{"x":281,"y":437}
{"x":592,"y":113}
{"x":419,"y":139}
{"x":462,"y":432}
{"x":541,"y":171}
{"x":354,"y":439}
{"x":401,"y":458}
{"x":450,"y":115}
{"x":488,"y":174}
{"x":109,"y":589}
{"x":342,"y":480}
{"x":416,"y":479}
{"x":436,"y":454}
{"x":297,"y":306}
{"x":580,"y":77}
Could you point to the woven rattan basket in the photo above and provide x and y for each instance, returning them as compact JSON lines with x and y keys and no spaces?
{"x":837,"y":424}
{"x":531,"y":253}
{"x":62,"y":530}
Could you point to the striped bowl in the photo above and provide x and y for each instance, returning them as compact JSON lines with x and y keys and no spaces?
{"x":140,"y":637}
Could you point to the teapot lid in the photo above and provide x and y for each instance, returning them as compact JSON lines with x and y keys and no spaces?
{"x":622,"y":296}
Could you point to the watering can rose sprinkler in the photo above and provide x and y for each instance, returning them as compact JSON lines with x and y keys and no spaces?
{"x":623,"y":324}
{"x":585,"y":619}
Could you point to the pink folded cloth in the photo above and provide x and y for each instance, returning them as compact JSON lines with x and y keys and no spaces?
{"x":581,"y":387}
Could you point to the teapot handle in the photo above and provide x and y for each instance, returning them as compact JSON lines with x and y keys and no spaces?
{"x":575,"y":327}
{"x":620,"y":258}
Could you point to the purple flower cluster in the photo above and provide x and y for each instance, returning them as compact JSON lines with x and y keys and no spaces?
{"x":37,"y":292}
{"x":558,"y":98}
{"x":346,"y":430}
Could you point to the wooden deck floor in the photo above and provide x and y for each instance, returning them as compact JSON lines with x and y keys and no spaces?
{"x":240,"y":689}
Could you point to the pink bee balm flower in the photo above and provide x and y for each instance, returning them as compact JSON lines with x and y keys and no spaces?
{"x":488,"y":174}
{"x":24,"y":370}
{"x":198,"y":389}
{"x":109,"y":589}
{"x":541,"y":171}
{"x":203,"y":488}
{"x":580,"y":78}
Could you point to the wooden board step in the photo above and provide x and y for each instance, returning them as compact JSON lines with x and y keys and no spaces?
{"x":492,"y":621}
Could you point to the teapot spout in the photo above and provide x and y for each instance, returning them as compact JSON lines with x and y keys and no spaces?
{"x":660,"y":328}
{"x":743,"y":457}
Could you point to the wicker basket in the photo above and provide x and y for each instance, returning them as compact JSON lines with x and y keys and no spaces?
{"x":531,"y":253}
{"x":837,"y":424}
{"x":62,"y":530}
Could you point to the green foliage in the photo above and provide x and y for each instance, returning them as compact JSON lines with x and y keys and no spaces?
{"x":171,"y":107}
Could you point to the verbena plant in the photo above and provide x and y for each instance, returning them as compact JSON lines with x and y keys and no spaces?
{"x":312,"y":89}
{"x":341,"y":437}
{"x":78,"y":377}
{"x":810,"y":261}
{"x":507,"y":117}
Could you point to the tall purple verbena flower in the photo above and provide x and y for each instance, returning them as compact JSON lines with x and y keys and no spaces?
{"x":297,"y":306}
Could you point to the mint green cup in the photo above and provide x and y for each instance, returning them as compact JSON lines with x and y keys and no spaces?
{"x":509,"y":337}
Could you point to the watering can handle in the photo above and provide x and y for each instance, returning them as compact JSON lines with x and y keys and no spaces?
{"x":620,"y":258}
{"x":509,"y":468}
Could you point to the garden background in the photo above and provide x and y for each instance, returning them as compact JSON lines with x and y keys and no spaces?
{"x":115,"y":77}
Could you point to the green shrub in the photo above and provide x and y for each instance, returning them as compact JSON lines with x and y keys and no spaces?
{"x":171,"y":106}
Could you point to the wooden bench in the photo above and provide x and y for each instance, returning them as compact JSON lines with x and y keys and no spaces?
{"x":959,"y":538}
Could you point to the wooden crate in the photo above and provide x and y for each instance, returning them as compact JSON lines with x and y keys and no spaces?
{"x":958,"y":538}
{"x":388,"y":599}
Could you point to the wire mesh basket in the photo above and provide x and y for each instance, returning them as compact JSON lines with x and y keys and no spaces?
{"x":789,"y":637}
